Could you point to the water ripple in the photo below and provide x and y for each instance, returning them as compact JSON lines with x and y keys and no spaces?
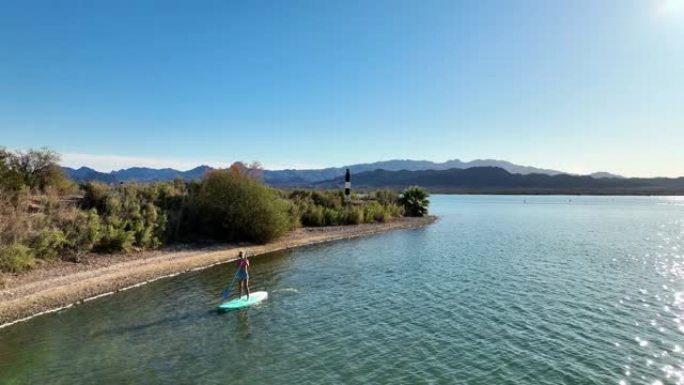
{"x":495,"y":293}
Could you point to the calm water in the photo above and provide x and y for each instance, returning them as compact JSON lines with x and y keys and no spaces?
{"x":587,"y":291}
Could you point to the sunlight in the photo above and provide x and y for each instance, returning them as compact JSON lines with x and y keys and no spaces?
{"x":670,"y":7}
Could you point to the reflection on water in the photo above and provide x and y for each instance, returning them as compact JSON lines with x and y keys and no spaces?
{"x":166,"y":322}
{"x":502,"y":290}
{"x":242,"y":321}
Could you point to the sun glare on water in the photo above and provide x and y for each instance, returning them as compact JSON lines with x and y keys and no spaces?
{"x":673,"y":200}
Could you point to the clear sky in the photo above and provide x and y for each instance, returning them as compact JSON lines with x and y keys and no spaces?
{"x":577,"y":85}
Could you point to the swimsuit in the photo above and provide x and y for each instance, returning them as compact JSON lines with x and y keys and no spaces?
{"x":242,"y":270}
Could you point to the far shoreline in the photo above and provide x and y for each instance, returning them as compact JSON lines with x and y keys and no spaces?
{"x":559,"y":193}
{"x":61,"y":285}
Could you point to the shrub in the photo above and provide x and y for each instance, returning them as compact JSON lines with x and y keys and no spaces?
{"x":375,"y":212}
{"x":235,"y":207}
{"x":313,"y":216}
{"x":353,"y":216}
{"x":148,"y":226}
{"x":114,"y":239}
{"x":48,"y":244}
{"x":135,"y":210}
{"x":15,"y":258}
{"x":328,"y":199}
{"x":325,"y":208}
{"x":331,"y":217}
{"x":82,"y":234}
{"x":386,"y":197}
{"x":395,"y":211}
{"x":94,"y":196}
{"x":53,"y":178}
{"x":293,"y":215}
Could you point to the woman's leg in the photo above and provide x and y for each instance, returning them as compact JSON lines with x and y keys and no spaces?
{"x":247,"y":287}
{"x":240,"y":288}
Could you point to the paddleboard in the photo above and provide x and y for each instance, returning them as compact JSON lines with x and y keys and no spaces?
{"x":239,"y":303}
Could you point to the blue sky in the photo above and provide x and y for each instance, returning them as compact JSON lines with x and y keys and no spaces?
{"x":581,"y":85}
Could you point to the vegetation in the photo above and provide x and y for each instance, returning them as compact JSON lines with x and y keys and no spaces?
{"x":327,"y":208}
{"x":232,"y":206}
{"x":415,"y":201}
{"x":32,"y":170}
{"x":44,"y":216}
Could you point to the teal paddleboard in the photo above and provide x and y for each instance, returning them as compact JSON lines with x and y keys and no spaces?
{"x":239,"y":303}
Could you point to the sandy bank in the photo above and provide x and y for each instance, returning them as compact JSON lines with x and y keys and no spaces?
{"x":58,"y":285}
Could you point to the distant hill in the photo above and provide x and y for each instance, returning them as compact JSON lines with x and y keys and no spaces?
{"x":308,"y":178}
{"x":603,"y":174}
{"x":88,"y":174}
{"x":134,"y":174}
{"x":304,"y":177}
{"x":491,"y":180}
{"x":285,"y":178}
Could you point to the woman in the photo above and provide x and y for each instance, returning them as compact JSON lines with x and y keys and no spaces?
{"x":243,"y":274}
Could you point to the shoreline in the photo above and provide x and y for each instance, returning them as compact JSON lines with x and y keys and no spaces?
{"x":61,"y":285}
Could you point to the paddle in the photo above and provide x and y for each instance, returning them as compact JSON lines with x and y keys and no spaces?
{"x":229,"y":289}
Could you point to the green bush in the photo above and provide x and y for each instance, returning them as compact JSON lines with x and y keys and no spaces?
{"x":82,"y":234}
{"x":15,"y":258}
{"x":48,"y":245}
{"x":326,"y":208}
{"x":234,"y":207}
{"x":293,"y":214}
{"x":149,"y":226}
{"x":395,"y":211}
{"x":327,"y":199}
{"x":114,"y":239}
{"x":353,"y":216}
{"x":95,"y":196}
{"x":375,"y":212}
{"x":331,"y":217}
{"x":386,"y":197}
{"x":313,"y":216}
{"x":133,"y":210}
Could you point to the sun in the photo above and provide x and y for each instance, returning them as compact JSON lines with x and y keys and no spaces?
{"x":670,"y":7}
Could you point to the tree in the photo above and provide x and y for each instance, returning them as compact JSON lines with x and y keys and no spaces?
{"x":252,"y":170}
{"x":10,"y":180}
{"x":34,"y":169}
{"x":235,"y":207}
{"x":415,"y":201}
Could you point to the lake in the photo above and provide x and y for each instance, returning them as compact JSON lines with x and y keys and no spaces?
{"x":501,"y":290}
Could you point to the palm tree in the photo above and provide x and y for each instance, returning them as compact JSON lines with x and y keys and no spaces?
{"x":415,"y":201}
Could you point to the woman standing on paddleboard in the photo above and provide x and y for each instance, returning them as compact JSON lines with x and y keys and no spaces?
{"x":243,"y":274}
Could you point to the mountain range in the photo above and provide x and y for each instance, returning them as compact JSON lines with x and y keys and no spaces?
{"x":479,"y":176}
{"x":294,"y":178}
{"x":134,"y":174}
{"x":495,"y":180}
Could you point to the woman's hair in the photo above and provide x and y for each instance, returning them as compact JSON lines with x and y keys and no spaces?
{"x":241,"y":254}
